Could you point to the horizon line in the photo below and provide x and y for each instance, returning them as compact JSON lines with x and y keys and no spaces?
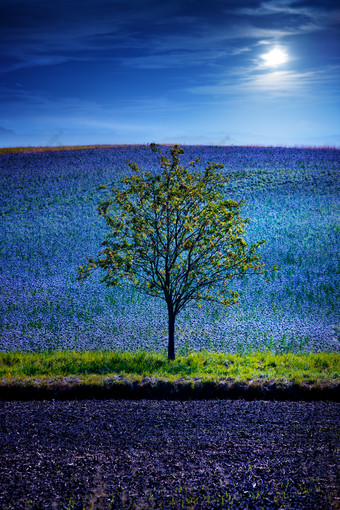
{"x":58,"y":148}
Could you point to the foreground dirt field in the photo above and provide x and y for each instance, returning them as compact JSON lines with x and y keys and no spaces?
{"x":161,"y":454}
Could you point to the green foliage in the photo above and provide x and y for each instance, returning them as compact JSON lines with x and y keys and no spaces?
{"x":175,"y":236}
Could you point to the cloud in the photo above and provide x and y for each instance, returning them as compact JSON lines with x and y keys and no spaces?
{"x":244,"y":82}
{"x":46,"y":112}
{"x":274,"y":6}
{"x":147,"y":34}
{"x":123,"y":49}
{"x":287,"y":17}
{"x":316,"y":14}
{"x":7,"y":133}
{"x":40,"y":33}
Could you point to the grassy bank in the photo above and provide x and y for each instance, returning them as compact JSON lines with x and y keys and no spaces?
{"x":296,"y":368}
{"x":150,"y":375}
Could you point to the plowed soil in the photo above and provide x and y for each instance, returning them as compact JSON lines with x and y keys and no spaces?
{"x":169,"y":454}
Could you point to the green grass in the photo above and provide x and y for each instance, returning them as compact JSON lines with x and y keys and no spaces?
{"x":297,"y":368}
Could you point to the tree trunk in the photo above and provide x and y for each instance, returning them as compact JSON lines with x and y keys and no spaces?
{"x":171,"y":344}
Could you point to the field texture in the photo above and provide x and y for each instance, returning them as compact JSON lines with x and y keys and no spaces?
{"x":169,"y":455}
{"x":49,"y":225}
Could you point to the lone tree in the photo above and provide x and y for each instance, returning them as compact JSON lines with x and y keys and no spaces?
{"x":175,"y":236}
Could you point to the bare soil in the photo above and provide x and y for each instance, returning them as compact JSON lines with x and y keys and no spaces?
{"x":114,"y":454}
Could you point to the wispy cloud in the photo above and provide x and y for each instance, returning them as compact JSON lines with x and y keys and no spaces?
{"x":274,"y":6}
{"x":40,"y":33}
{"x":148,"y":34}
{"x":288,"y":16}
{"x":153,"y":32}
{"x":146,"y":64}
{"x":279,"y":83}
{"x":46,"y":110}
{"x":317,"y":15}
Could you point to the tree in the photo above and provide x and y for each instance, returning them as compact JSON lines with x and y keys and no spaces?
{"x":175,"y":236}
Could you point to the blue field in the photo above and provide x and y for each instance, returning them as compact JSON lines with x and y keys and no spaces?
{"x":49,"y":225}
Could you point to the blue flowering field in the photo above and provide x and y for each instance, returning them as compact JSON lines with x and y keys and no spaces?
{"x":49,"y":225}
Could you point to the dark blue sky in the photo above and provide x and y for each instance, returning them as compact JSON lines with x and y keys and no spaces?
{"x":190,"y":71}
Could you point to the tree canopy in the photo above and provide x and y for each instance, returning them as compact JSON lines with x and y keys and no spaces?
{"x":174,"y":235}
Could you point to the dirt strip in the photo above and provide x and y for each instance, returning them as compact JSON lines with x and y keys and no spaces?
{"x":121,"y":387}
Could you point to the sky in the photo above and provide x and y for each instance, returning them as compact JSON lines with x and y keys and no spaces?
{"x":215,"y":72}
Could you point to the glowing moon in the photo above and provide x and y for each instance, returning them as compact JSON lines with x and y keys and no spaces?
{"x":275,"y":57}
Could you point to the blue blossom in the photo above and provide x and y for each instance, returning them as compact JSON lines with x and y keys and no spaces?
{"x":50,"y":224}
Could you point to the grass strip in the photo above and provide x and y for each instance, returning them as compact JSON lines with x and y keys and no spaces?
{"x":150,"y":375}
{"x":202,"y":375}
{"x":296,"y":368}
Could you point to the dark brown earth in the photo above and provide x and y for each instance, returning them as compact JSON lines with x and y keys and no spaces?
{"x":169,"y":454}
